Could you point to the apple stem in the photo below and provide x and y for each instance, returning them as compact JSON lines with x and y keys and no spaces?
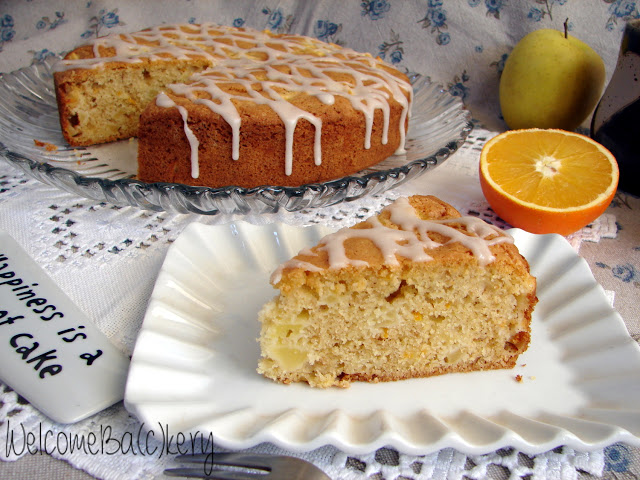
{"x":566,"y":28}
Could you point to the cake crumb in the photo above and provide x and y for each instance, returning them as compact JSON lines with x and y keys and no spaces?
{"x":49,"y":147}
{"x":519,"y":378}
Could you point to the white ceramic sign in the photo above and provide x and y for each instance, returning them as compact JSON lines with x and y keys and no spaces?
{"x":50,"y":351}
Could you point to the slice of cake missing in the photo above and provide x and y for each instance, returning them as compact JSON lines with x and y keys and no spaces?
{"x":413,"y":292}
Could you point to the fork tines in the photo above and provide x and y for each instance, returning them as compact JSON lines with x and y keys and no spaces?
{"x":246,"y":466}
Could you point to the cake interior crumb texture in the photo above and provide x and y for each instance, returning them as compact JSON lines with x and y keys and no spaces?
{"x":373,"y":320}
{"x":104,"y":104}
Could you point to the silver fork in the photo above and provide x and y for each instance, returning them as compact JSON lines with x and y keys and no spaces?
{"x":226,"y":466}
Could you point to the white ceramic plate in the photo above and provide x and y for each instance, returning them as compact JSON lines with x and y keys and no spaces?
{"x":193,"y":367}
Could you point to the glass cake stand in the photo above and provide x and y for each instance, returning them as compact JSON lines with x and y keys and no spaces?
{"x":31,"y":139}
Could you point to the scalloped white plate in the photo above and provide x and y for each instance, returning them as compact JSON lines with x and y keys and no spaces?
{"x":193,"y":367}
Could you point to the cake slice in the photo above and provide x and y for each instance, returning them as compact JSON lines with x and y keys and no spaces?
{"x":415,"y":291}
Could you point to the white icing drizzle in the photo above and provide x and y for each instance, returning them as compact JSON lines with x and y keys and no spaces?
{"x":193,"y":142}
{"x":411,"y":241}
{"x":271,"y":70}
{"x":164,"y":101}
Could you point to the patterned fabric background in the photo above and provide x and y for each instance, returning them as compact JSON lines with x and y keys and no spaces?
{"x":460,"y":44}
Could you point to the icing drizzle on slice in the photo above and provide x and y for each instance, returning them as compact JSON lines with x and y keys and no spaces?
{"x":411,"y":240}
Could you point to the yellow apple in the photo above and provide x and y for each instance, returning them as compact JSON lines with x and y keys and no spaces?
{"x":550,"y":80}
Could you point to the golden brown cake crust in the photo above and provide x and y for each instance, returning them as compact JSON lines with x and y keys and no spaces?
{"x":428,"y":207}
{"x":375,"y":321}
{"x":164,"y":151}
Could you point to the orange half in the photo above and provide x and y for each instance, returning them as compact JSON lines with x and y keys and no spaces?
{"x":547,"y":181}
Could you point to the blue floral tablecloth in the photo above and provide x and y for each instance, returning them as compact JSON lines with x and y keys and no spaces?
{"x":461,"y":45}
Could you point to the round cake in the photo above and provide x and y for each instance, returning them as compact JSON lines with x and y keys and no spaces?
{"x":217,"y":106}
